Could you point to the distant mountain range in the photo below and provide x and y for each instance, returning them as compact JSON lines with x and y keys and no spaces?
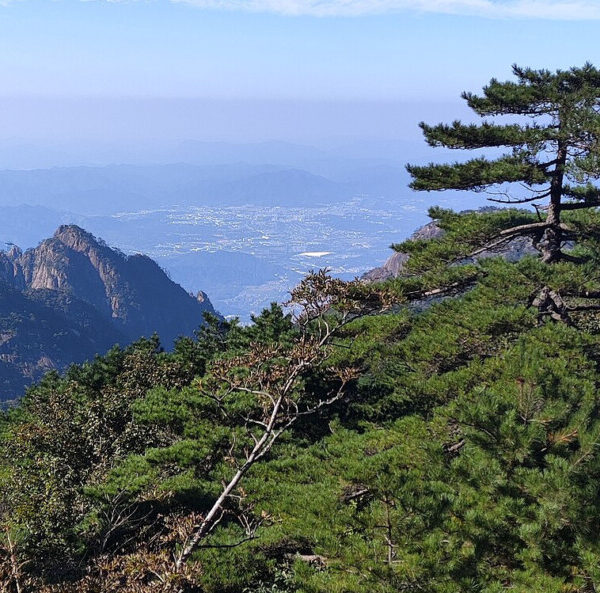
{"x":73,"y":296}
{"x":231,"y":219}
{"x":15,"y":154}
{"x":118,"y":188}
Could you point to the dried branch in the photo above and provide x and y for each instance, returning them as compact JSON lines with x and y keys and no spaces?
{"x":524,"y":228}
{"x":274,"y":375}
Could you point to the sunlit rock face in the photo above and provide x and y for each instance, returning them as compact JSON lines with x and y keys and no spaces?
{"x":72,"y":296}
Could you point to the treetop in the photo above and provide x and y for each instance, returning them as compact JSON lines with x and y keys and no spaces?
{"x":553,"y":159}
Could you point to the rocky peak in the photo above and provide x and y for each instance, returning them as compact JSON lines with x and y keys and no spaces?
{"x":134,"y":292}
{"x":79,"y":239}
{"x":14,"y":252}
{"x":64,"y":231}
{"x":73,"y":297}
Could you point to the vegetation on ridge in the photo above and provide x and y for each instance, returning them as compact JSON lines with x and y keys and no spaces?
{"x":415,"y":443}
{"x":554,"y":160}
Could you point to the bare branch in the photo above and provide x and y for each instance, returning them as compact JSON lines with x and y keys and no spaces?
{"x":274,"y":376}
{"x":525,"y":228}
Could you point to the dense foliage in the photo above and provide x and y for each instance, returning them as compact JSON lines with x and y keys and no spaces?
{"x":435,"y":433}
{"x":458,"y":450}
{"x":554,"y":150}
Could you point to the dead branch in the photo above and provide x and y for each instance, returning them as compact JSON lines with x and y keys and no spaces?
{"x":274,"y":374}
{"x":524,"y":228}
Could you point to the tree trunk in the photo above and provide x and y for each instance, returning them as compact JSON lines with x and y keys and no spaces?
{"x":550,"y":245}
{"x":551,"y":242}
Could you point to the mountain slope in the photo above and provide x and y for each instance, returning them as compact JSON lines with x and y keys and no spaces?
{"x":73,"y":297}
{"x":464,"y":457}
{"x":44,"y":330}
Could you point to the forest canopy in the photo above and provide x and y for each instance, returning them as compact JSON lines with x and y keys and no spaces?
{"x":435,"y":432}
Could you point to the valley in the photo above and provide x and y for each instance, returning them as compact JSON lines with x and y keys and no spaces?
{"x":246,"y":256}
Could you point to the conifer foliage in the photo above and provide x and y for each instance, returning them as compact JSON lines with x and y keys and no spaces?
{"x":553,"y":157}
{"x":435,"y":433}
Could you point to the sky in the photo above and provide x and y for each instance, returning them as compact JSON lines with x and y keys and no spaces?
{"x":143,"y":71}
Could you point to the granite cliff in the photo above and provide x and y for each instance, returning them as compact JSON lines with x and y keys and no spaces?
{"x":73,"y":296}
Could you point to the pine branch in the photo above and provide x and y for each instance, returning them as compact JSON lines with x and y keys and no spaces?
{"x":472,"y":136}
{"x":525,"y":228}
{"x":476,"y":174}
{"x":579,"y":205}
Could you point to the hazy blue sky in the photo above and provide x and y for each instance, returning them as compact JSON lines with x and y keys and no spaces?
{"x":75,"y":70}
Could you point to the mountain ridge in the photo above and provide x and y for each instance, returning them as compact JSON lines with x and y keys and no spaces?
{"x":75,"y":285}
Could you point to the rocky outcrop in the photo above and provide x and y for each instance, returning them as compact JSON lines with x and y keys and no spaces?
{"x":73,"y":296}
{"x":395,"y":265}
{"x":392,"y":268}
{"x":132,"y":291}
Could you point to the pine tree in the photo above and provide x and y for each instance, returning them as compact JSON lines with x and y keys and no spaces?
{"x":555,"y":158}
